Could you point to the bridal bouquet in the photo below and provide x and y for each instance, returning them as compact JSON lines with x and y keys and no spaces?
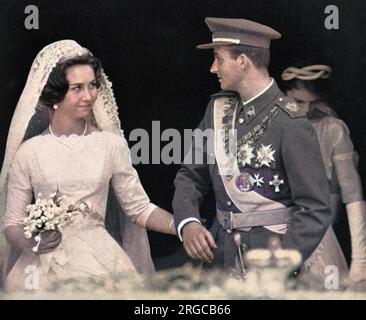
{"x":50,"y":213}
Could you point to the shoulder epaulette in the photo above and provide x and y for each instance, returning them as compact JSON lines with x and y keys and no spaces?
{"x":224,"y":93}
{"x":290,"y":107}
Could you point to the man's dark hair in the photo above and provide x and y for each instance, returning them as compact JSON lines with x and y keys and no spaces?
{"x":259,"y":56}
{"x":57,"y":85}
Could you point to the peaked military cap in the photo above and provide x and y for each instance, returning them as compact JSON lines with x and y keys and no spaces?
{"x":239,"y":31}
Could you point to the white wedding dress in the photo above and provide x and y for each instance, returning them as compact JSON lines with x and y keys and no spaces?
{"x":80,"y":167}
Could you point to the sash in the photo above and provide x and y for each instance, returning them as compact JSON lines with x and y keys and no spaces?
{"x":249,"y":201}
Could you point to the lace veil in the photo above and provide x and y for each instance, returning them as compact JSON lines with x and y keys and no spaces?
{"x":30,"y":119}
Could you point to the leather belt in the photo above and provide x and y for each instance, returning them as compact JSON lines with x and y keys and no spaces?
{"x":230,"y":221}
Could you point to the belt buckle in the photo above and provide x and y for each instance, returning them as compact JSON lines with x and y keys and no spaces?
{"x":228,"y":222}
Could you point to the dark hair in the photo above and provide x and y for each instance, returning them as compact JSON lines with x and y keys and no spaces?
{"x":57,"y":85}
{"x":318,"y":87}
{"x":259,"y":56}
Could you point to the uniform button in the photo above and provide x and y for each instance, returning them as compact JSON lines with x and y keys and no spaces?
{"x":281,"y":99}
{"x":241,"y":120}
{"x":229,"y":203}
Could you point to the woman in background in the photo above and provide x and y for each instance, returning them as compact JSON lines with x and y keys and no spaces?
{"x":307,"y":85}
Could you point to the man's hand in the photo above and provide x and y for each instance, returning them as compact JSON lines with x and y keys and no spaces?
{"x":198,"y":242}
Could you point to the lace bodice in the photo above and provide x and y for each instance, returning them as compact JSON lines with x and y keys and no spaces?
{"x":80,"y":167}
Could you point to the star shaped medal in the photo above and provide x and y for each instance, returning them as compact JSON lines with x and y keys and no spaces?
{"x":245,"y":155}
{"x":265,"y":155}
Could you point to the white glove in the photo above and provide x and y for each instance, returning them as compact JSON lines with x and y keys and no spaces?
{"x":356,"y":212}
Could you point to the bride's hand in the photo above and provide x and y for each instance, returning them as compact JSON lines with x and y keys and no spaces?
{"x":49,"y":241}
{"x":357,"y":275}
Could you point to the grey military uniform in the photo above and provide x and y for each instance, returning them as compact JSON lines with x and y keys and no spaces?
{"x":294,"y":177}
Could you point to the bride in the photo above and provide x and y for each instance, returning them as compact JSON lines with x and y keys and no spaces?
{"x":65,"y":137}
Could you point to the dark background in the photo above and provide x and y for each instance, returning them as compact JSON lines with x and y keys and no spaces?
{"x":147,"y":48}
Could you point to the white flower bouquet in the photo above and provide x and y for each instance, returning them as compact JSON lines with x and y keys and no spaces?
{"x":50,"y":213}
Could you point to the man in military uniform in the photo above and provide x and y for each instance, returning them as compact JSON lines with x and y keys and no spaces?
{"x":273,"y":181}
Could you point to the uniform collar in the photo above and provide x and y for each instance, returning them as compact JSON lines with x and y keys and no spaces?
{"x":259,"y":94}
{"x":254,"y":106}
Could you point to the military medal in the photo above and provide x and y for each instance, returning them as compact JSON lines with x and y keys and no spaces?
{"x":276,"y":183}
{"x":244,"y":182}
{"x":227,"y":136}
{"x":258,"y":181}
{"x":245,"y":155}
{"x":265,"y":155}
